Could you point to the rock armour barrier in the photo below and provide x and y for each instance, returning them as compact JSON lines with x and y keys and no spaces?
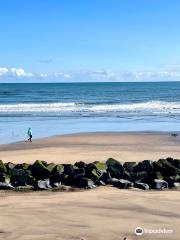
{"x":145,"y":175}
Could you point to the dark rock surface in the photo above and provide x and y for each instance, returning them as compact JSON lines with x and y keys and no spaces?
{"x":145,"y":175}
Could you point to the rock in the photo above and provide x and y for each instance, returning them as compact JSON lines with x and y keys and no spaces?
{"x":144,"y":166}
{"x":121,"y":183}
{"x":58,"y":169}
{"x":106,"y":177}
{"x":160,"y":184}
{"x":165,"y":167}
{"x":95,"y":171}
{"x":23,"y":166}
{"x":9,"y":166}
{"x":140,"y":185}
{"x":50,"y":167}
{"x":72,"y":170}
{"x":172,"y":179}
{"x":140,"y":176}
{"x":6,"y":186}
{"x":83,"y":182}
{"x":80,"y":164}
{"x":129,"y":166}
{"x":115,"y":168}
{"x":100,"y":166}
{"x":4,"y":178}
{"x":3,"y":168}
{"x":39,"y":170}
{"x":174,"y":162}
{"x":42,"y":185}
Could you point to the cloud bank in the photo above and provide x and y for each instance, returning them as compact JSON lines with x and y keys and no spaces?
{"x":167,"y":73}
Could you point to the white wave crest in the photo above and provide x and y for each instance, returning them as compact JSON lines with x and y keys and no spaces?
{"x":151,"y":107}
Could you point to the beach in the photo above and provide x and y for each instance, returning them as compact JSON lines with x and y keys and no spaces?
{"x":90,"y":147}
{"x":101,"y":213}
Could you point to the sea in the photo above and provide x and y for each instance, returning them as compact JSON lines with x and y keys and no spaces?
{"x":66,"y":108}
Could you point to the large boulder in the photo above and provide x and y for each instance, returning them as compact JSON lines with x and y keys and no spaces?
{"x":23,"y":166}
{"x":174,"y":162}
{"x":95,"y":171}
{"x":39,"y":170}
{"x":20,"y":177}
{"x":80,"y":164}
{"x":72,"y":170}
{"x":58,"y":169}
{"x":9,"y":166}
{"x":115,"y":168}
{"x":145,"y":166}
{"x":83,"y":182}
{"x":165,"y":167}
{"x":50,"y":167}
{"x":4,"y":178}
{"x":121,"y":183}
{"x":129,"y":166}
{"x":3,"y":168}
{"x":172,"y":179}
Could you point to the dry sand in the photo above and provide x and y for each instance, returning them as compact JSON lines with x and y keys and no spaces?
{"x":101,"y":214}
{"x":104,"y":213}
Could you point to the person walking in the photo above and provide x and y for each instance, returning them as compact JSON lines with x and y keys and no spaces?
{"x":30,"y":135}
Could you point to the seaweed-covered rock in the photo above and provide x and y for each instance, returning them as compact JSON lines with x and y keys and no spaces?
{"x":174,"y":162}
{"x":140,"y":185}
{"x":39,"y":170}
{"x":82,"y":182}
{"x":140,"y":176}
{"x":9,"y":166}
{"x":115,"y":168}
{"x":95,"y":171}
{"x":4,"y":178}
{"x":42,"y":185}
{"x":165,"y":167}
{"x":23,"y":166}
{"x":160,"y":184}
{"x":72,"y":170}
{"x":121,"y":183}
{"x":172,"y":179}
{"x":21,"y":177}
{"x":3,"y":168}
{"x":50,"y":167}
{"x":58,"y":169}
{"x":144,"y":166}
{"x":129,"y":166}
{"x":80,"y":164}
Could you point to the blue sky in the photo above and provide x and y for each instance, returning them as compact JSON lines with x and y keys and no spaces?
{"x":89,"y":40}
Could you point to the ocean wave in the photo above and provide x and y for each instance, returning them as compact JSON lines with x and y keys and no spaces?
{"x":148,"y":107}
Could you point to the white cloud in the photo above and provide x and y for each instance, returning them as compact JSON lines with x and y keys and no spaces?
{"x":168,"y":72}
{"x":3,"y":71}
{"x":63,"y":75}
{"x":20,"y":72}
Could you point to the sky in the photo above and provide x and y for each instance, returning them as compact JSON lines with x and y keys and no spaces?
{"x":89,"y":40}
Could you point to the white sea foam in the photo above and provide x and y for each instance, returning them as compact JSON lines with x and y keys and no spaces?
{"x":148,"y":107}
